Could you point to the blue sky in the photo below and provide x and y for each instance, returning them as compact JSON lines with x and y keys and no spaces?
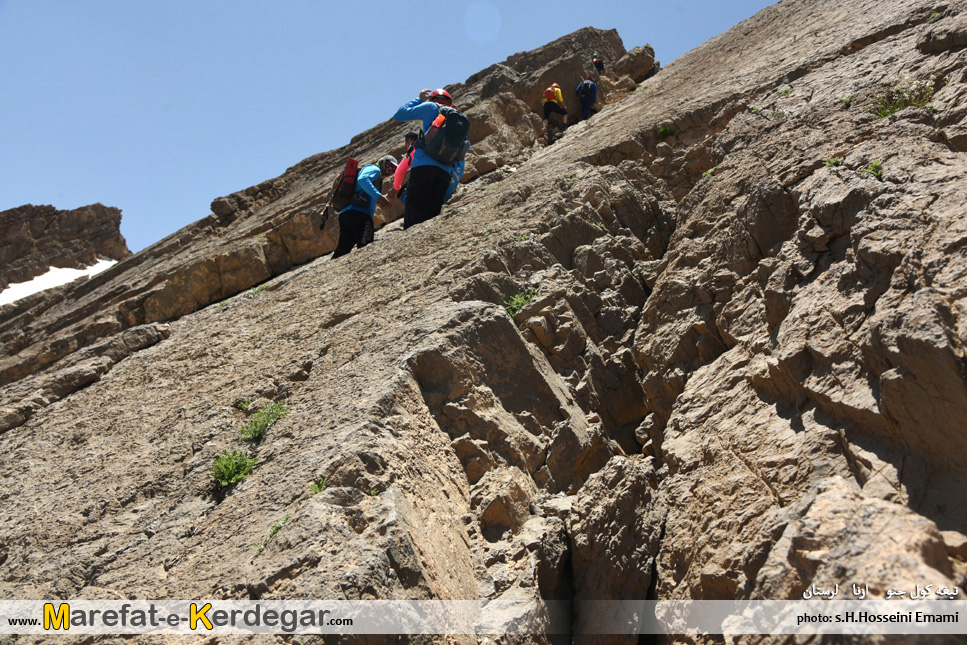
{"x":159,"y":107}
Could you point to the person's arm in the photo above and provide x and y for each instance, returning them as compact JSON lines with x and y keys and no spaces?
{"x":364,"y":180}
{"x":401,"y":171}
{"x":594,"y":93}
{"x":418,"y":108}
{"x":404,"y":113}
{"x":559,"y":97}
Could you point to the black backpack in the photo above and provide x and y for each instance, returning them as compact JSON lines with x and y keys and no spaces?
{"x":446,"y":140}
{"x":584,"y":89}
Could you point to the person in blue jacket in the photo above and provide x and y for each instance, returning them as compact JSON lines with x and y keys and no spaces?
{"x":587,"y":91}
{"x":430,"y":180}
{"x":356,"y":220}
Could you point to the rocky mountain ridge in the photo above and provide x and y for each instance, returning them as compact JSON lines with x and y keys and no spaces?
{"x":35,"y":238}
{"x":708,"y":345}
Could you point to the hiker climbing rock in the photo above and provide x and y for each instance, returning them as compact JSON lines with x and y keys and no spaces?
{"x":443,"y":144}
{"x":356,"y":220}
{"x":587,"y":91}
{"x":598,"y":64}
{"x":553,"y":103}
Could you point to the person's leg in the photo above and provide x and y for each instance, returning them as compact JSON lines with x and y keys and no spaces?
{"x":417,"y":196}
{"x":352,"y":232}
{"x":426,"y":191}
{"x":368,"y":233}
{"x":441,"y":183}
{"x":346,"y":238}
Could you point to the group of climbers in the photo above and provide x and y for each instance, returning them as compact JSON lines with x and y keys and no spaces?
{"x":434,"y":162}
{"x":553,"y":100}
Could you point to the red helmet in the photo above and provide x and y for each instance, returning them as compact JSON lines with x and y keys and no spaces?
{"x":441,"y":95}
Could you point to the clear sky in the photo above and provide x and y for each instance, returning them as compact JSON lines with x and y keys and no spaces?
{"x":159,"y":106}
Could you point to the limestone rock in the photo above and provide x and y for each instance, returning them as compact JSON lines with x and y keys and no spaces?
{"x":36,"y":238}
{"x":721,"y":363}
{"x":639,"y":64}
{"x":615,"y":526}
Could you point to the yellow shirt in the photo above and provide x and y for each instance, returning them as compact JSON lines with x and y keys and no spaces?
{"x":558,"y":98}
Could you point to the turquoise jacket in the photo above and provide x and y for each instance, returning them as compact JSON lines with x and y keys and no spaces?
{"x":366,"y":184}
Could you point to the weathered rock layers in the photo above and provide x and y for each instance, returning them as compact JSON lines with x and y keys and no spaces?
{"x":35,"y":238}
{"x":709,"y":345}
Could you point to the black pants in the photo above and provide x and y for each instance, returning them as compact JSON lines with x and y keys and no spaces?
{"x":425,"y":192}
{"x":355,"y":229}
{"x":552,"y":106}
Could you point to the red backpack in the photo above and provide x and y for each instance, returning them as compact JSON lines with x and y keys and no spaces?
{"x":549,"y":94}
{"x":345,"y":186}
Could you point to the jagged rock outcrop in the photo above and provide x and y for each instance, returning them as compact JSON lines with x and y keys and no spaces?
{"x":709,"y":345}
{"x":35,"y":238}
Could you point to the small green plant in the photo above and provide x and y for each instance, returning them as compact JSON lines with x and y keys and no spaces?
{"x":875,"y":169}
{"x":708,"y":173}
{"x":778,"y":115}
{"x":902,"y":93}
{"x":602,"y":225}
{"x":318,"y":486}
{"x":834,"y":161}
{"x":486,"y":234}
{"x":664,"y":132}
{"x":518,"y":302}
{"x":848,"y":101}
{"x":755,"y":109}
{"x":374,"y":492}
{"x":786,"y":92}
{"x":275,"y":528}
{"x":523,"y":237}
{"x":933,"y":16}
{"x":257,"y":290}
{"x":231,"y":467}
{"x":255,"y":428}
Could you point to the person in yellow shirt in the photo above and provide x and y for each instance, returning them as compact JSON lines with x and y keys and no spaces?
{"x":554,"y":103}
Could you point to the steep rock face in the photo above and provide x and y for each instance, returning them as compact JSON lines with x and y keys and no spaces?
{"x":721,"y":358}
{"x":808,"y":300}
{"x":266,"y":230}
{"x":35,"y":238}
